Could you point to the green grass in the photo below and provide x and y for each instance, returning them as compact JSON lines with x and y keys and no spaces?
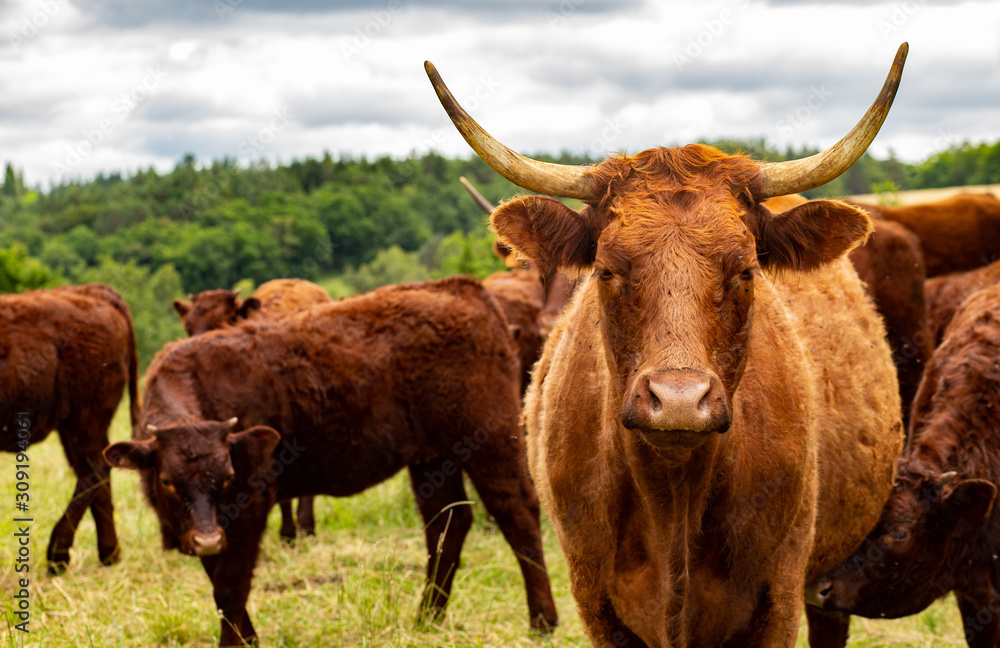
{"x":357,"y":583}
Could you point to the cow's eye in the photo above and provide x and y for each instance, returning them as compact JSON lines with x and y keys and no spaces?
{"x":747,"y":275}
{"x":900,"y":534}
{"x":166,"y":483}
{"x":605,"y":274}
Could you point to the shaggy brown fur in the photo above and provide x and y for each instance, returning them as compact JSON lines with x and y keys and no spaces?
{"x":891,"y":266}
{"x":958,"y":233}
{"x":690,"y":522}
{"x":213,"y":309}
{"x":947,"y":292}
{"x":66,"y":354}
{"x":940,"y":530}
{"x":423,"y":376}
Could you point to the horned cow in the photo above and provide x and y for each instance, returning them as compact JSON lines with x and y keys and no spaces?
{"x":710,"y":424}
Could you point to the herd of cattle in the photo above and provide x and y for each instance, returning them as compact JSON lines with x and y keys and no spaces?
{"x":706,"y":374}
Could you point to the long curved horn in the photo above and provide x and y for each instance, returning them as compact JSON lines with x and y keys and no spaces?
{"x":793,"y":176}
{"x":484,"y":204}
{"x":563,"y":180}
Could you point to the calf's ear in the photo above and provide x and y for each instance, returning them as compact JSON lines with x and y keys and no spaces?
{"x":967,"y":505}
{"x":810,"y":235}
{"x":182,"y":307}
{"x":132,"y":455}
{"x":546,"y":231}
{"x":251,"y":449}
{"x":249,"y":305}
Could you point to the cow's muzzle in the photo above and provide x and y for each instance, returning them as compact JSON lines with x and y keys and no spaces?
{"x":676,"y":400}
{"x":207,"y":544}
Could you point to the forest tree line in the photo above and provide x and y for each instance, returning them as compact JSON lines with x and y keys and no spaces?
{"x":348,"y":224}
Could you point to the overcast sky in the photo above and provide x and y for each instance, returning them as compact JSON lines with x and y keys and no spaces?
{"x":117,"y":85}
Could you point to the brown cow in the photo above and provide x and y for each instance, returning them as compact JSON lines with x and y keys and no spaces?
{"x":958,"y":233}
{"x":946,"y":292}
{"x":421,"y":376}
{"x":213,"y":309}
{"x":521,"y":296}
{"x":66,"y":354}
{"x":940,"y":531}
{"x":710,"y":422}
{"x":891,"y":266}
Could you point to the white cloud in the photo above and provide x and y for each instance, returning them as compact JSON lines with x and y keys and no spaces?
{"x":568,"y":75}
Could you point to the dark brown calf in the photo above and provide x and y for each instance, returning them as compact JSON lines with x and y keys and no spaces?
{"x":946,"y":293}
{"x":956,"y":234}
{"x":423,"y":376}
{"x":940,"y":530}
{"x":214,"y":309}
{"x":66,"y":354}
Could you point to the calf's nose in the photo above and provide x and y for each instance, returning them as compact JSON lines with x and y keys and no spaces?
{"x":207,"y":544}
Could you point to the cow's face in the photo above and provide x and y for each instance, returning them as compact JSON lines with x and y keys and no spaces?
{"x":194,"y":471}
{"x":675,"y":245}
{"x":213,"y":309}
{"x":924,"y":525}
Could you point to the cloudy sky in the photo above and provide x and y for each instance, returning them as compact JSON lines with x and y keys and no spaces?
{"x":117,"y":85}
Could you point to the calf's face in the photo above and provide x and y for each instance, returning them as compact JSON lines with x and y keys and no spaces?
{"x":927,"y":521}
{"x":194,"y":470}
{"x":676,"y":243}
{"x":213,"y":309}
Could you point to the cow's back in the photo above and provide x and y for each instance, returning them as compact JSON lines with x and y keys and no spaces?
{"x":280,"y":297}
{"x":946,"y":293}
{"x":395,"y":371}
{"x":956,"y":234}
{"x":63,"y":351}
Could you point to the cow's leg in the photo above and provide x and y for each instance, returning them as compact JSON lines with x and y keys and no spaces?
{"x":287,"y":531}
{"x":827,"y":629}
{"x":306,"y":516}
{"x":93,"y":490}
{"x":500,"y":474}
{"x":440,"y":495}
{"x":231,"y":572}
{"x":981,"y":623}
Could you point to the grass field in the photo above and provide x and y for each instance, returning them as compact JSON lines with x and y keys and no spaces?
{"x":356,"y":584}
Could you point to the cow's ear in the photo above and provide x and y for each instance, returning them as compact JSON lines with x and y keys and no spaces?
{"x":132,"y":455}
{"x":249,"y":305}
{"x":810,"y":235}
{"x":182,"y":307}
{"x":251,"y":449}
{"x":545,"y":231}
{"x":967,"y":505}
